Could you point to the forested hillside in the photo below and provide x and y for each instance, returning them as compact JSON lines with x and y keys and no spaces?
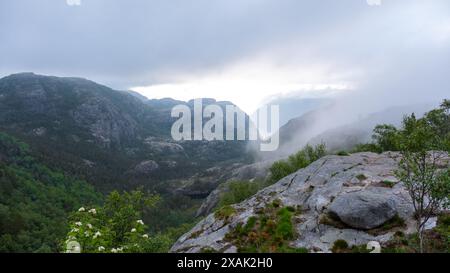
{"x":35,"y":200}
{"x":109,"y":138}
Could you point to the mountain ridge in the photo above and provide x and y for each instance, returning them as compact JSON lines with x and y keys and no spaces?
{"x":76,"y":124}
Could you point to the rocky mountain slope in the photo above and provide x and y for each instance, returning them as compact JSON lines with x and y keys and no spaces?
{"x":355,"y":198}
{"x":114,"y":139}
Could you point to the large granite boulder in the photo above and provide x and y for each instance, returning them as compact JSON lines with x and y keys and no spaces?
{"x":364,"y":209}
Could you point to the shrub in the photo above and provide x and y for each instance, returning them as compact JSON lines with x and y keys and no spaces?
{"x":224,"y":213}
{"x":436,"y":240}
{"x":339,"y":245}
{"x":238,"y":191}
{"x":342,"y":153}
{"x":301,"y":159}
{"x":267,"y":232}
{"x":115,"y":227}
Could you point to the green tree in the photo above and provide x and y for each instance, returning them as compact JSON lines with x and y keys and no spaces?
{"x":115,"y":227}
{"x":420,"y":142}
{"x":386,"y":137}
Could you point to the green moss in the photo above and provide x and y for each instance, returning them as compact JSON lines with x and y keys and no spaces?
{"x":361,"y":177}
{"x":276,"y":203}
{"x":208,"y":250}
{"x":251,"y":222}
{"x":329,"y":220}
{"x":225,"y":213}
{"x":395,"y":222}
{"x":291,"y":209}
{"x":268,"y":232}
{"x":388,"y":183}
{"x":196,"y":234}
{"x":339,"y":245}
{"x":342,"y":153}
{"x":334,"y":174}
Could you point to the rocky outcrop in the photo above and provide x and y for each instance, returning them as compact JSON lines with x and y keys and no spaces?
{"x":146,"y":167}
{"x":364,"y":209}
{"x":332,"y":186}
{"x":160,"y":146}
{"x":107,"y":124}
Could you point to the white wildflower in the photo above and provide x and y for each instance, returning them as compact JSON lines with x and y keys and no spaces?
{"x":89,"y":226}
{"x":97,"y":234}
{"x":140,"y":222}
{"x":79,"y":224}
{"x":86,"y":233}
{"x":73,"y":247}
{"x":133,"y":230}
{"x":114,"y":250}
{"x":75,"y":230}
{"x":101,"y":248}
{"x":145,"y":236}
{"x":82,"y":209}
{"x":93,"y":211}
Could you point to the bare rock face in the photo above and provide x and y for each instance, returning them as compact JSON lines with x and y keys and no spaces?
{"x":361,"y":189}
{"x":146,"y":167}
{"x":166,"y":147}
{"x":364,"y":209}
{"x":107,"y":123}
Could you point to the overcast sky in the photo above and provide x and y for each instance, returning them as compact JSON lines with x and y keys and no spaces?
{"x":238,"y":50}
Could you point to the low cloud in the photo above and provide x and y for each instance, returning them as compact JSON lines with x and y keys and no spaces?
{"x":243,"y":51}
{"x":73,"y":2}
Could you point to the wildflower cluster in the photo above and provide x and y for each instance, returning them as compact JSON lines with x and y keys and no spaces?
{"x":91,"y":232}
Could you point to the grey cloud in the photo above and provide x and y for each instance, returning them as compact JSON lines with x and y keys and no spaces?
{"x":140,"y":42}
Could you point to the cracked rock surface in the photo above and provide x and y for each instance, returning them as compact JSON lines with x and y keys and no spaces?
{"x":361,"y":190}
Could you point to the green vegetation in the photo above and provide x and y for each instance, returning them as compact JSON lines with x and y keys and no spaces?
{"x":225,"y":213}
{"x":342,"y":153}
{"x":174,"y":214}
{"x":268,"y":232}
{"x":395,"y":222}
{"x":388,"y":184}
{"x":419,"y":141}
{"x":432,"y":130}
{"x":238,"y":191}
{"x":330,"y":220}
{"x":341,"y":246}
{"x":436,"y":240}
{"x":361,"y":177}
{"x":115,"y":227}
{"x":301,"y":159}
{"x":35,"y":201}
